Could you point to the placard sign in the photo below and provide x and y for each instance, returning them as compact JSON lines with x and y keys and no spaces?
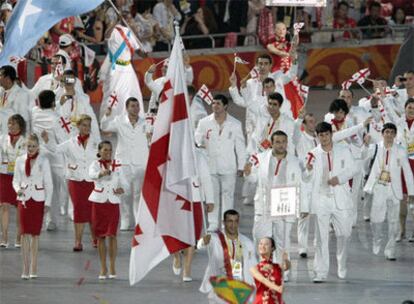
{"x":318,"y":3}
{"x":284,"y":201}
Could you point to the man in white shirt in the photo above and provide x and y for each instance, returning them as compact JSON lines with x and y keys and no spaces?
{"x":275,"y":168}
{"x":229,"y":248}
{"x":44,"y":118}
{"x":385,"y":184}
{"x":222,"y":136}
{"x":12,"y":96}
{"x":329,"y":167}
{"x":131,"y":151}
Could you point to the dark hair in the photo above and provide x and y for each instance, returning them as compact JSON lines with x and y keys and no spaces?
{"x":394,"y":14}
{"x":342,"y":3}
{"x":264,"y":56}
{"x":276,"y":96}
{"x":101,"y":144}
{"x":409,"y":100}
{"x":272,"y":242}
{"x":307,"y":115}
{"x":222,"y":98}
{"x":230,"y":212}
{"x":268,"y":80}
{"x":9,"y":71}
{"x":20,"y":121}
{"x":278,"y":133}
{"x":69,"y":73}
{"x":374,"y":4}
{"x":129,"y":100}
{"x":409,"y":72}
{"x":389,"y":126}
{"x":338,"y":105}
{"x":209,"y":19}
{"x":191,"y":90}
{"x":323,"y":127}
{"x":46,"y":99}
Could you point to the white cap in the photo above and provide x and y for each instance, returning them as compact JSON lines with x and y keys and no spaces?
{"x":66,"y":40}
{"x":6,"y":7}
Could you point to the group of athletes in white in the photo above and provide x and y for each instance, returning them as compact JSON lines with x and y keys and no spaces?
{"x":358,"y":155}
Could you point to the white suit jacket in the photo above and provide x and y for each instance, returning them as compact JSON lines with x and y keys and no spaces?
{"x":8,"y":153}
{"x":19,"y":100}
{"x":78,"y":159}
{"x":260,"y":174}
{"x":132,"y":146}
{"x":343,"y":167}
{"x":398,"y":160}
{"x":226,"y":151}
{"x":215,"y":265}
{"x":38,"y":185}
{"x":104,"y":187}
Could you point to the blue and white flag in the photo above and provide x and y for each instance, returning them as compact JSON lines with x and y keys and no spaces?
{"x":32,"y":18}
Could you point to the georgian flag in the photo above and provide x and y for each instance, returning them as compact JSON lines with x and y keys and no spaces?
{"x":297,"y":27}
{"x":254,"y":73}
{"x":205,"y":94}
{"x":360,"y":76}
{"x":237,"y":59}
{"x":169,"y":216}
{"x":304,"y":91}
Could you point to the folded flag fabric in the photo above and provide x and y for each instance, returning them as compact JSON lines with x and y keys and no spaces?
{"x":230,"y":290}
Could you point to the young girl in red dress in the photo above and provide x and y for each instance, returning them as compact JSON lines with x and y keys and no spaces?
{"x":109,"y":185}
{"x":32,"y":182}
{"x":268,"y":276}
{"x":12,"y":146}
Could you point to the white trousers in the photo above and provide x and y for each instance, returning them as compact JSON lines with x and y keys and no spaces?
{"x":279,"y":230}
{"x":342,"y":222}
{"x":128,"y":209}
{"x":223,"y":187}
{"x":367,"y":205}
{"x":59,"y":196}
{"x":384,"y":203}
{"x":356,"y":192}
{"x":248,"y":191}
{"x":303,"y":232}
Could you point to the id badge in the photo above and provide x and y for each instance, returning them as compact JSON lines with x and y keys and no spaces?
{"x":385,"y":177}
{"x":10,"y":167}
{"x":237,"y":270}
{"x":410,"y":149}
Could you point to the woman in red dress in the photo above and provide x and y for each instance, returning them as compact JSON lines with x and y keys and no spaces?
{"x":109,"y":185}
{"x":12,"y":146}
{"x":32,"y":182}
{"x":268,"y":276}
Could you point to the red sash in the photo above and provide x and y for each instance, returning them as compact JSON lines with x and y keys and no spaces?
{"x":226,"y":255}
{"x":121,"y":32}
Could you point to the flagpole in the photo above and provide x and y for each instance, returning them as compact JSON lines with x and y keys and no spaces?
{"x":141,"y":46}
{"x":365,"y":89}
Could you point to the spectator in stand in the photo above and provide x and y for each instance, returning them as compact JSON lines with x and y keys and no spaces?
{"x":232,"y":18}
{"x":398,"y":17}
{"x":111,"y":18}
{"x":65,"y":26}
{"x":342,"y":20}
{"x":148,"y":27}
{"x":255,"y":8}
{"x":6,"y":11}
{"x":165,"y":13}
{"x":200,"y":23}
{"x":93,"y":30}
{"x":373,"y":19}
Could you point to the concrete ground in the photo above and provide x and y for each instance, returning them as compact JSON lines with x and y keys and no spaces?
{"x":66,"y":277}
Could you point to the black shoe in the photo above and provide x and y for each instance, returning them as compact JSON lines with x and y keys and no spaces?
{"x":304,"y":255}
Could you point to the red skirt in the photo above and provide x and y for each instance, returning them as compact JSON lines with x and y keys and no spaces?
{"x":105,"y":219}
{"x":31,"y":217}
{"x":404,"y":185}
{"x":79,"y":193}
{"x":7,"y":193}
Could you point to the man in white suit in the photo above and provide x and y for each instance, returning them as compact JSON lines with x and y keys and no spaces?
{"x":231,"y":254}
{"x":384,"y":182}
{"x":329,"y":167}
{"x":274,"y":168}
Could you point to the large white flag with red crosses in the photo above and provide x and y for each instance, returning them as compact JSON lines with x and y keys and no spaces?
{"x":169,"y":215}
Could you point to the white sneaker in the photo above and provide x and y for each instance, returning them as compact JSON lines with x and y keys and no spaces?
{"x":51,"y":226}
{"x":187,"y":279}
{"x":341,"y":273}
{"x":285,"y":276}
{"x":376,"y":249}
{"x":319,"y":279}
{"x":176,"y":271}
{"x":411,"y":239}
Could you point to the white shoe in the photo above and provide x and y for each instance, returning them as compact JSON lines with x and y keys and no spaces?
{"x":25,"y":277}
{"x":16,"y":245}
{"x":247,"y":202}
{"x":62,"y":210}
{"x":112,"y":276}
{"x":366,"y":218}
{"x":4,"y":245}
{"x":102,"y":277}
{"x":376,"y":249}
{"x":177,"y":271}
{"x":341,"y":274}
{"x":411,"y":239}
{"x":285,"y":277}
{"x":33,"y":276}
{"x":187,"y":279}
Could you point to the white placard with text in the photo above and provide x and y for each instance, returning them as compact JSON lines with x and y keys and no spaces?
{"x":318,"y":3}
{"x":284,"y":201}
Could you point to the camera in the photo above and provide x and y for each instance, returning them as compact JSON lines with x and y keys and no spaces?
{"x":70,"y":80}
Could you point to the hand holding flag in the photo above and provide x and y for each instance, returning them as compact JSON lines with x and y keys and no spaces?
{"x":297,"y":27}
{"x":237,"y":59}
{"x":205,"y":94}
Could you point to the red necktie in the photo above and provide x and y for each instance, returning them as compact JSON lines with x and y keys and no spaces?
{"x":27,"y":166}
{"x":14,"y":137}
{"x":105,"y":163}
{"x":278,"y":166}
{"x":82,"y":139}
